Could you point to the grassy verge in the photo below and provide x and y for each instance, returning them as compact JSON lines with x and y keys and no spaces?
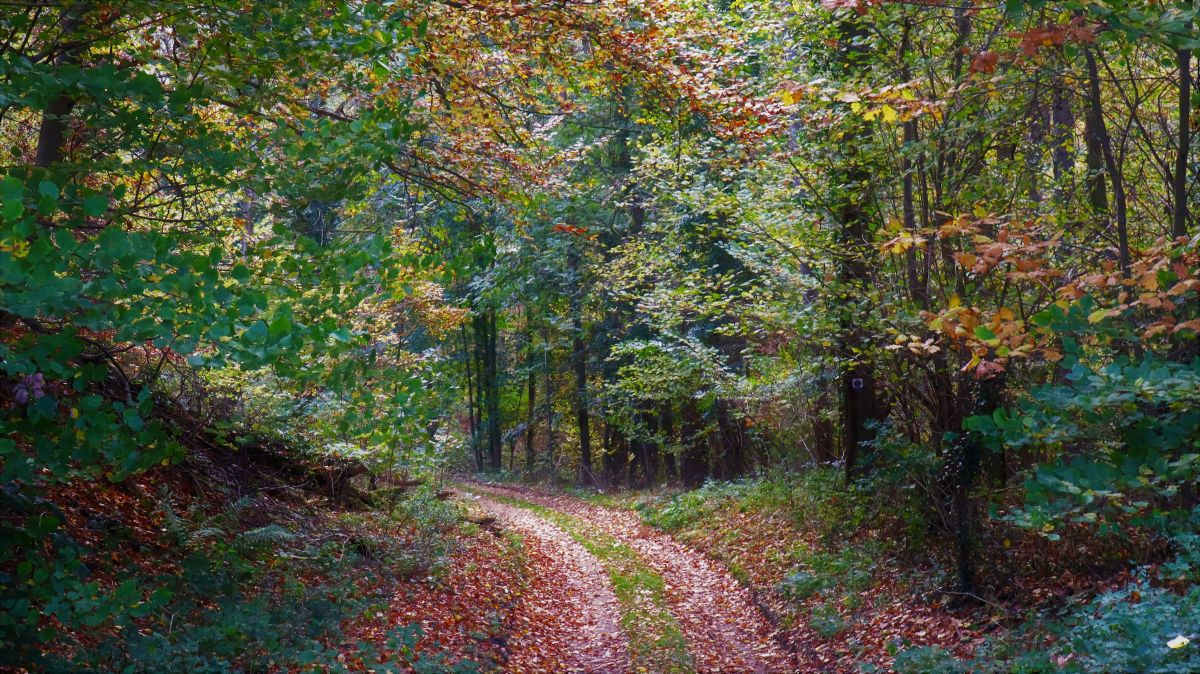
{"x":656,"y":643}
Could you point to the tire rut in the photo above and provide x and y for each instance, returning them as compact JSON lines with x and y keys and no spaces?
{"x":570,"y":619}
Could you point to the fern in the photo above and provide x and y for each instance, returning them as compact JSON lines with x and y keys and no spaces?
{"x":256,"y":540}
{"x":197,"y":531}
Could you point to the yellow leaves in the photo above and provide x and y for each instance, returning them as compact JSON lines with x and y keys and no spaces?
{"x":1192,"y":325}
{"x":966,"y":260}
{"x":886,"y":112}
{"x":915,"y":345}
{"x":903,"y":242}
{"x":19,"y":248}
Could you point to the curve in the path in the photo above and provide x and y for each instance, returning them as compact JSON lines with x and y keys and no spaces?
{"x":726,"y":632}
{"x":569,"y":618}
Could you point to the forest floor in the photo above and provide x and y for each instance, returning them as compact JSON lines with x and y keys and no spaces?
{"x":619,"y":596}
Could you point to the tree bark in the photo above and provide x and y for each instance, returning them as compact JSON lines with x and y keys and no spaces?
{"x":495,"y":448}
{"x":964,"y":473}
{"x":1111,"y":166}
{"x":694,"y":462}
{"x":532,"y":415}
{"x":857,"y":381}
{"x":52,"y":132}
{"x":579,"y":366}
{"x":1179,"y":223}
{"x":472,"y":423}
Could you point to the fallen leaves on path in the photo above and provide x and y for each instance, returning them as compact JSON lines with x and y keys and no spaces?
{"x":568,"y":620}
{"x":725,"y":631}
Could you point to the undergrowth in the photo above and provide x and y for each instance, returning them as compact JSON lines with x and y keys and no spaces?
{"x":212,"y":594}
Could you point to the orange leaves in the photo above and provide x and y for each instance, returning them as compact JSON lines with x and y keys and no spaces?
{"x":1031,"y":41}
{"x":1018,"y":247}
{"x":1160,"y":280}
{"x":570,"y":229}
{"x":985,"y":62}
{"x":991,"y":338}
{"x":1078,"y":31}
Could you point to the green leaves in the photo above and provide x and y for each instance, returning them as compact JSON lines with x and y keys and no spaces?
{"x":12,"y":194}
{"x":95,"y":205}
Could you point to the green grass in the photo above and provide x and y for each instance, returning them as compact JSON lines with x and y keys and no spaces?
{"x":656,"y":643}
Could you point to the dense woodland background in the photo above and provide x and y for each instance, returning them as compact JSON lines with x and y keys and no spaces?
{"x":919,"y":276}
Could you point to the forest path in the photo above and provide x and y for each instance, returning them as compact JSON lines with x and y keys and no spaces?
{"x":724,"y":629}
{"x":569,"y":620}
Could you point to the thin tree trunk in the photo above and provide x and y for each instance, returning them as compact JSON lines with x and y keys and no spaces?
{"x":579,"y":366}
{"x":532,"y":416}
{"x":1179,"y":224}
{"x":1111,"y":166}
{"x":468,"y":356}
{"x":668,"y":432}
{"x":495,"y":449}
{"x":1062,"y":124}
{"x":1094,"y":157}
{"x":916,"y":284}
{"x":548,"y":399}
{"x":970,"y":457}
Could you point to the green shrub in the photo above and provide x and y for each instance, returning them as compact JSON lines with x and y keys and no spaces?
{"x":1127,"y":630}
{"x":928,"y":660}
{"x":826,"y":621}
{"x":677,"y":511}
{"x":801,"y":585}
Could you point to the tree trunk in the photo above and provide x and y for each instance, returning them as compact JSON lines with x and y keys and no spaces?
{"x":964,"y":470}
{"x":1111,"y":166}
{"x":52,"y":132}
{"x":694,"y":461}
{"x":532,"y":415}
{"x":1179,"y":222}
{"x":732,"y":431}
{"x":548,"y":399}
{"x":616,"y":456}
{"x":495,"y":449}
{"x":488,"y":393}
{"x":472,"y":423}
{"x":857,"y":389}
{"x":579,"y":367}
{"x":1062,"y":122}
{"x":667,"y":415}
